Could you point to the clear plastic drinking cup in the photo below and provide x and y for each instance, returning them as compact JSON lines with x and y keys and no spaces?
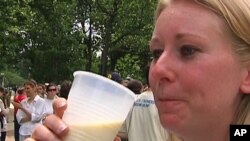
{"x":97,"y":107}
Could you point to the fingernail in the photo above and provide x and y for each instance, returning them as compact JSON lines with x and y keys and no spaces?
{"x":62,"y":130}
{"x":57,"y":125}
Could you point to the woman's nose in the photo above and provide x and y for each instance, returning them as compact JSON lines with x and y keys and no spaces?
{"x":164,"y":67}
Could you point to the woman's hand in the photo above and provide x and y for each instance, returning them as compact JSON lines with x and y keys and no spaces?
{"x":53,"y":128}
{"x":16,"y":105}
{"x":117,"y":139}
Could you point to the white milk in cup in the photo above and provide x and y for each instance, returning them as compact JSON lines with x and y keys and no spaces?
{"x":97,"y":107}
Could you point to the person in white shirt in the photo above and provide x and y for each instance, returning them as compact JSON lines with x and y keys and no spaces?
{"x":142,"y":122}
{"x":41,"y":90}
{"x":52,"y":91}
{"x":30,"y":111}
{"x":4,"y":111}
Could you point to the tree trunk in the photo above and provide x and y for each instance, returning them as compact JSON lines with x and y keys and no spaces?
{"x":89,"y":44}
{"x":105,"y":50}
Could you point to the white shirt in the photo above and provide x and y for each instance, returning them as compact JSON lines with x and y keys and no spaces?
{"x":37,"y":110}
{"x":49,"y":105}
{"x":5,"y":112}
{"x":142,"y":122}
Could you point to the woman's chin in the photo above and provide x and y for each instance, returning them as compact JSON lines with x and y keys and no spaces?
{"x":171,"y":122}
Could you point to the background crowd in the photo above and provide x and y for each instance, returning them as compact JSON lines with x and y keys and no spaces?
{"x":34,"y":101}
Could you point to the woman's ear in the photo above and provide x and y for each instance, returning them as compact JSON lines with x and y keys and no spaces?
{"x":245,"y":85}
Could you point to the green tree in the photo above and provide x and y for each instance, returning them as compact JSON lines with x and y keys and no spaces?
{"x":11,"y":79}
{"x":48,"y":40}
{"x":121,"y":22}
{"x":54,"y":50}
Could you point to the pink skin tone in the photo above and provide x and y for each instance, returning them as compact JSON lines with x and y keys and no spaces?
{"x":196,"y":77}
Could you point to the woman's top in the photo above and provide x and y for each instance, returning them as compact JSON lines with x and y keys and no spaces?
{"x":37,"y":110}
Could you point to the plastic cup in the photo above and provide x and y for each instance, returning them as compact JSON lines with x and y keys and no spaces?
{"x":97,"y":107}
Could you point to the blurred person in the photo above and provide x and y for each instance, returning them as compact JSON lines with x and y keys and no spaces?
{"x":41,"y":90}
{"x":65,"y":88}
{"x":135,"y":86}
{"x":20,"y":96}
{"x":125,"y":82}
{"x":52,"y":92}
{"x":4,"y":111}
{"x":115,"y":76}
{"x":142,"y":122}
{"x":30,"y":111}
{"x":7,"y":97}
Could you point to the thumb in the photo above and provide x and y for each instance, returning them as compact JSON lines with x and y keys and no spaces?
{"x":117,"y":138}
{"x":59,"y":106}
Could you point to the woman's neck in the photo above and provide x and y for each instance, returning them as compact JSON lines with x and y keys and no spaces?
{"x":218,"y":137}
{"x":216,"y":131}
{"x":32,"y":97}
{"x":50,"y":98}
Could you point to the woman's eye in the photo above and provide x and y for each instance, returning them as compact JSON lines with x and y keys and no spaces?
{"x":157,"y":53}
{"x":188,"y":50}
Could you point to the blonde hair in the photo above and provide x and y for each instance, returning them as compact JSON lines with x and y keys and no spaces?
{"x":236,"y":14}
{"x":237,"y":17}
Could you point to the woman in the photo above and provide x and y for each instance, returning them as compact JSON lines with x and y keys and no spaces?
{"x":30,"y":111}
{"x":4,"y":111}
{"x":41,"y":90}
{"x":52,"y":91}
{"x":65,"y":88}
{"x":20,"y":96}
{"x":200,"y":73}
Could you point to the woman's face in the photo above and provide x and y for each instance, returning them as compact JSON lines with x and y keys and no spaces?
{"x":30,"y":90}
{"x":195,"y":76}
{"x":52,"y":91}
{"x":40,"y":90}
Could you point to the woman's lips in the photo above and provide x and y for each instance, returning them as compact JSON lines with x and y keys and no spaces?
{"x":169,"y":104}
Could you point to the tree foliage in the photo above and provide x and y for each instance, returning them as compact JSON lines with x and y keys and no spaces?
{"x":49,"y":40}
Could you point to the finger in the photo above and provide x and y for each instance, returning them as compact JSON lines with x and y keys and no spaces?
{"x":56,"y":124}
{"x":59,"y":106}
{"x":117,"y":139}
{"x":42,"y":133}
